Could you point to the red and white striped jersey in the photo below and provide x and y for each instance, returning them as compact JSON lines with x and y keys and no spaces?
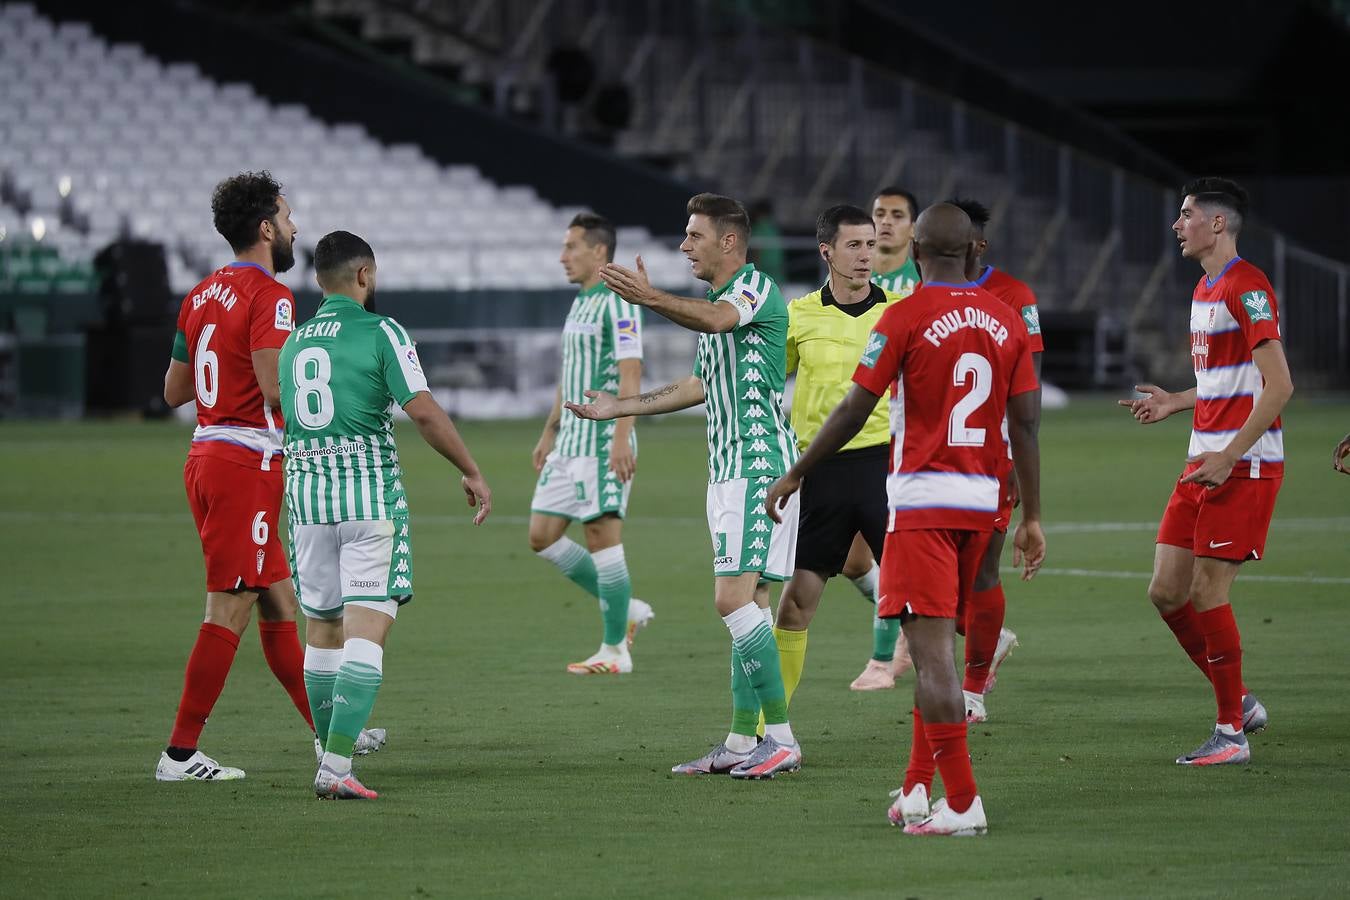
{"x":231,"y":313}
{"x":1230,"y":316}
{"x":951,"y":356}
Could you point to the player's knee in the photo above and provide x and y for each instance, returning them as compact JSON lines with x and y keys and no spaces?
{"x":541,"y":539}
{"x":1166,"y":597}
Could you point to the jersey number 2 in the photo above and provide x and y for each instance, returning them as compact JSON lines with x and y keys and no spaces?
{"x":974,"y":368}
{"x":313,"y":396}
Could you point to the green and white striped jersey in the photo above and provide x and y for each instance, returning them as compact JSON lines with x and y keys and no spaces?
{"x":743,"y":373}
{"x":341,"y":374}
{"x":902,"y":281}
{"x":601,"y":329}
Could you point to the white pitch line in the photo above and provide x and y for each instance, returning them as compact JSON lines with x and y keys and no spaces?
{"x":1144,"y":576}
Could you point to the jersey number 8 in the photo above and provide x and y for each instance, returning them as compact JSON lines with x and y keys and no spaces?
{"x":313,"y":396}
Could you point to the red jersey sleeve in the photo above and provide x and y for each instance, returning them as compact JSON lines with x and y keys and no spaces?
{"x":881,"y":358}
{"x":1024,"y":301}
{"x":1251,"y":302}
{"x":1024,"y":372}
{"x":271,"y":317}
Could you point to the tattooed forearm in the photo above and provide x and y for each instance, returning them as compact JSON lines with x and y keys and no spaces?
{"x":653,"y":396}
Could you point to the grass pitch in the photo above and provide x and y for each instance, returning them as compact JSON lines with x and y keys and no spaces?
{"x":506,"y":777}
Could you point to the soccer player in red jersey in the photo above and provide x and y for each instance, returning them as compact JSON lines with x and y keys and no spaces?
{"x":230,"y":328}
{"x":988,"y":643}
{"x":1221,"y":507}
{"x":955,"y":359}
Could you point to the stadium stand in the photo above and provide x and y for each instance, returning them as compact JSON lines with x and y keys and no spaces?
{"x":93,"y":147}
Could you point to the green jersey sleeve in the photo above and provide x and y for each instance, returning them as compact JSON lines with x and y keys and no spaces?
{"x":749,"y":294}
{"x":180,"y":351}
{"x":399,"y":363}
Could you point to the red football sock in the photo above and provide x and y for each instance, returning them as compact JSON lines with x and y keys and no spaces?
{"x":207,"y":669}
{"x":286,"y":658}
{"x":921,"y":767}
{"x":1223,"y":649}
{"x":984,"y":621}
{"x":952,"y":756}
{"x":1185,"y":624}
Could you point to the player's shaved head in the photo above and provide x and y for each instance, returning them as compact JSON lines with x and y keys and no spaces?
{"x":337,"y":258}
{"x":943,"y":230}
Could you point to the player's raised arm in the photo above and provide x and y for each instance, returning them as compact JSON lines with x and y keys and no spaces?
{"x":440,"y":433}
{"x":845,"y":421}
{"x":1157,"y":404}
{"x":675,"y":396}
{"x":692,"y":313}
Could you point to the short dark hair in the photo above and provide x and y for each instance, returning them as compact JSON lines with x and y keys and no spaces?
{"x":893,"y":190}
{"x":597,"y":230}
{"x":829,"y":222}
{"x":978,"y":212}
{"x":726,"y":214}
{"x":338,"y":254}
{"x":240,"y":203}
{"x":1224,"y":192}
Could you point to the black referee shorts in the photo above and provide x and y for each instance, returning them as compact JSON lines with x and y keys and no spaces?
{"x":841,"y":497}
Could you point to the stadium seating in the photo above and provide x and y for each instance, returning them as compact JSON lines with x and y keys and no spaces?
{"x":100,"y":140}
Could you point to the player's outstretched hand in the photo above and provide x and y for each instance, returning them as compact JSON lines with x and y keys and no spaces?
{"x":1153,"y":408}
{"x":1338,"y":458}
{"x":622,"y":461}
{"x":778,"y":495}
{"x":1213,"y":471}
{"x":602,"y":406}
{"x":477,"y":492}
{"x":635,"y":287}
{"x":1029,"y":548}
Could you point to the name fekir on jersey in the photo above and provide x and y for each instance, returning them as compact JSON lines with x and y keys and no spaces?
{"x":600,"y":330}
{"x":341,"y":374}
{"x":1230,"y":316}
{"x":222,"y":321}
{"x":951,"y":356}
{"x":744,"y":372}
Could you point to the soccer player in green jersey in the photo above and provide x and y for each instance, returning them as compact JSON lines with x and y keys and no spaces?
{"x":586,"y":468}
{"x":894,"y":210}
{"x":739,"y":373}
{"x":341,"y":374}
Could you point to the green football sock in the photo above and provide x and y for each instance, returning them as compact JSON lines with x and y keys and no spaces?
{"x":353,"y":699}
{"x":615,"y":590}
{"x":319,"y":689}
{"x":744,"y":702}
{"x":758,"y":658}
{"x":575,"y":563}
{"x":885,"y":632}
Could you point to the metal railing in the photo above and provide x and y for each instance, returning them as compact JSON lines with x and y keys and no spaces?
{"x":754,"y":111}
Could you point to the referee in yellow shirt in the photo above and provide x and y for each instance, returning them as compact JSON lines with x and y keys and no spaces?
{"x":843,"y":503}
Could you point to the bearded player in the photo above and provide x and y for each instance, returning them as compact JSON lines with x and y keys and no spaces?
{"x":230,"y":328}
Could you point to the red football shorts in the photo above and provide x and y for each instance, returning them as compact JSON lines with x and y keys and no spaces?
{"x":1229,"y":522}
{"x":237,"y":510}
{"x":929,"y":572}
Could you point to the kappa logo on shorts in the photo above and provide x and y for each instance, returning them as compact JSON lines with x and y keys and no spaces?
{"x":356,"y":583}
{"x":262,"y":555}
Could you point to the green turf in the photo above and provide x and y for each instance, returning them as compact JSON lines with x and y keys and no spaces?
{"x":506,"y":777}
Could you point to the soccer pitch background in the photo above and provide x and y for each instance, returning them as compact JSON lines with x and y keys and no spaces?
{"x":504,"y":776}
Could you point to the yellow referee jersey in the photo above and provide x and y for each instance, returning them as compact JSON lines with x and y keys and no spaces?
{"x":824,"y":343}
